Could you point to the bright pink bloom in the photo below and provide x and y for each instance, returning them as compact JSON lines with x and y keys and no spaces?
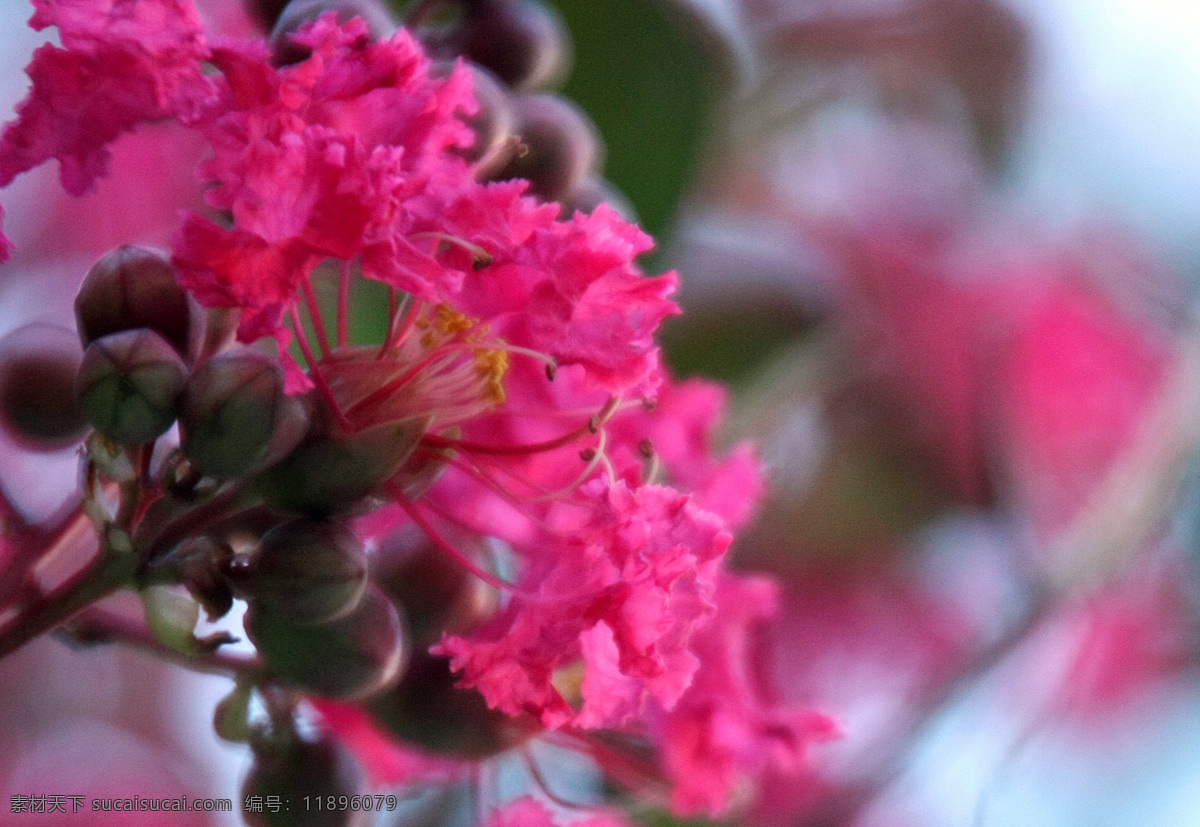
{"x":1008,"y":363}
{"x":729,"y":727}
{"x":619,"y":589}
{"x":122,"y":63}
{"x":520,"y":346}
{"x":1074,"y":387}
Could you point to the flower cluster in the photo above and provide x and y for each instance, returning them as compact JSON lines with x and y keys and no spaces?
{"x":496,"y":517}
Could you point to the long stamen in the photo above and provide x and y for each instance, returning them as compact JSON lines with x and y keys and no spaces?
{"x":396,"y":384}
{"x":314,"y":370}
{"x":480,"y":257}
{"x":590,"y":429}
{"x":535,"y":772}
{"x":637,"y":773}
{"x":652,"y":468}
{"x":387,"y":337}
{"x":494,"y":485}
{"x":593,"y":456}
{"x":343,"y":308}
{"x":456,"y":555}
{"x":314,"y":313}
{"x":408,"y":315}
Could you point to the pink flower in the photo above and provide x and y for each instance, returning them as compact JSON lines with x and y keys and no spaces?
{"x":122,"y":63}
{"x":517,"y":372}
{"x":1026,"y":381}
{"x":728,"y":727}
{"x":619,"y":591}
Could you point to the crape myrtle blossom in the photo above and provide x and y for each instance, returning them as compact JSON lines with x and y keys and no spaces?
{"x":516,"y":393}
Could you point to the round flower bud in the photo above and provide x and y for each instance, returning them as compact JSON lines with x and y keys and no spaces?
{"x":331,"y":473}
{"x":307,"y":572}
{"x":235,"y":418}
{"x":266,"y":12}
{"x":524,"y":42}
{"x":353,"y":657}
{"x":297,"y":769}
{"x":38,"y":364}
{"x":559,"y":145}
{"x":438,"y":595}
{"x":286,"y":51}
{"x":128,"y":386}
{"x":133,"y":287}
{"x":427,"y":710}
{"x":492,"y":124}
{"x":593,"y":191}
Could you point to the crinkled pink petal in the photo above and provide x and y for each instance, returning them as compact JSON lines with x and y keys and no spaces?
{"x":330,"y":158}
{"x":569,"y":289}
{"x":642,"y":562}
{"x":122,"y":63}
{"x":236,"y":268}
{"x":725,"y":729}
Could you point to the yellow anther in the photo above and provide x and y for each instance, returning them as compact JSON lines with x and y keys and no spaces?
{"x":452,"y":322}
{"x":491,"y":365}
{"x":446,"y":324}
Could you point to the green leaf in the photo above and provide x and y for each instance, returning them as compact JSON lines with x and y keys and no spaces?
{"x":645,"y":84}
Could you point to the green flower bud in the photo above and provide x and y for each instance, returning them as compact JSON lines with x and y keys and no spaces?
{"x":235,"y":418}
{"x":330,"y":473}
{"x":133,"y":287}
{"x":353,"y":657}
{"x":38,"y":364}
{"x":437,"y":593}
{"x":427,"y":710}
{"x":128,"y":386}
{"x":308,"y":572}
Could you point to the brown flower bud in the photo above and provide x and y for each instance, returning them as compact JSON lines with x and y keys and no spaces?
{"x":38,"y":364}
{"x":134,"y":287}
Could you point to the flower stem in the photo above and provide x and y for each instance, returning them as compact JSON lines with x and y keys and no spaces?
{"x":95,"y":625}
{"x":104,"y":576}
{"x":33,"y":548}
